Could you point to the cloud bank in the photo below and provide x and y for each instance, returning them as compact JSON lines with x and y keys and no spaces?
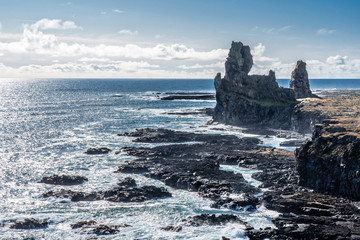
{"x":39,"y":52}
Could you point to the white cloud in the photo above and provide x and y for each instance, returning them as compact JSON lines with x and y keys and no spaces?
{"x":86,"y":59}
{"x":157,"y":36}
{"x":102,"y":12}
{"x":128,"y":32}
{"x":325,"y":31}
{"x":35,"y":43}
{"x":337,"y":60}
{"x":0,"y":26}
{"x":118,"y":11}
{"x":58,"y":24}
{"x":200,"y":66}
{"x":333,"y":67}
{"x":41,"y":54}
{"x":258,"y":54}
{"x":127,"y":69}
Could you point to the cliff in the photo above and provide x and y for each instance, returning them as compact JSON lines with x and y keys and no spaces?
{"x":330,"y":162}
{"x":246,"y":100}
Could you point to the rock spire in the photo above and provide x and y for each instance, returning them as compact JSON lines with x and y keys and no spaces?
{"x":299,"y":81}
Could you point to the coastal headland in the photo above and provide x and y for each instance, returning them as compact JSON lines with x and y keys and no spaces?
{"x":313,"y":190}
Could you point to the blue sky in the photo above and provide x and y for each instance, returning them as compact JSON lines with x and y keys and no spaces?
{"x":176,"y":39}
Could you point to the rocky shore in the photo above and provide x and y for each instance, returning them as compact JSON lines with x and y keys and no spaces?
{"x":195,"y":167}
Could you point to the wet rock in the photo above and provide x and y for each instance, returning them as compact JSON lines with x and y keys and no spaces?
{"x":202,"y":112}
{"x":247,"y":203}
{"x":172,"y":228}
{"x":249,"y":100}
{"x":63,"y":180}
{"x":127,"y":182}
{"x":212,"y":220}
{"x":192,"y":167}
{"x":189,"y":97}
{"x":123,"y":193}
{"x":101,"y":150}
{"x":105,"y":230}
{"x":161,"y":135}
{"x":28,"y":223}
{"x":83,"y":224}
{"x":292,"y":143}
{"x":299,"y":81}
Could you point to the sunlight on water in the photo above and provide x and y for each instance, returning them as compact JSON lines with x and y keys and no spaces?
{"x":47,"y":125}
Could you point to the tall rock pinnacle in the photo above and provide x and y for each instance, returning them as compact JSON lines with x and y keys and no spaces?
{"x":243,"y":99}
{"x":299,"y":81}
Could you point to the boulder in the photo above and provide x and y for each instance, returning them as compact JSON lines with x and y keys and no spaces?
{"x":101,"y":150}
{"x":63,"y":180}
{"x":299,"y":81}
{"x":247,"y":100}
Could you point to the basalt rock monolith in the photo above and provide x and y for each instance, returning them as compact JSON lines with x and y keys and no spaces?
{"x":299,"y":81}
{"x":246,"y":100}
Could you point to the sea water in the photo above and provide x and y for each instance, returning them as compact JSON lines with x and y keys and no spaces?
{"x":46,"y":126}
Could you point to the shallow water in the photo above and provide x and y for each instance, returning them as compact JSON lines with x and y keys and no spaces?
{"x":46,"y":125}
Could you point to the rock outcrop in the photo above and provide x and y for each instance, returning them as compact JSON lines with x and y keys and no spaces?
{"x":330,"y":162}
{"x":299,"y":81}
{"x":28,"y":223}
{"x":101,"y":150}
{"x":125,"y":192}
{"x":63,"y":180}
{"x":245,"y":100}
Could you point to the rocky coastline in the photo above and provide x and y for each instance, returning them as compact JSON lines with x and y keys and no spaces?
{"x":314,"y":190}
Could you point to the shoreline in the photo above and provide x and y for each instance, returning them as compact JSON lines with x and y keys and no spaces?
{"x":214,"y":149}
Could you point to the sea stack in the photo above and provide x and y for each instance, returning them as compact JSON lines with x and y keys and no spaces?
{"x":299,"y":81}
{"x":250,"y":100}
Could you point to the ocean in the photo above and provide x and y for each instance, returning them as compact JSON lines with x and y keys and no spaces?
{"x":46,"y":125}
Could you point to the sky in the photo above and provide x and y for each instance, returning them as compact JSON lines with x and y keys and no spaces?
{"x":176,"y":39}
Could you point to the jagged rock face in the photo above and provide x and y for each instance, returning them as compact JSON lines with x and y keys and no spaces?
{"x":330,"y":162}
{"x":299,"y":81}
{"x":244,"y":99}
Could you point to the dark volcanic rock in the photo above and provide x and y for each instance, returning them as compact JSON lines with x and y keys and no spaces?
{"x":90,"y":227}
{"x":123,"y":193}
{"x":102,"y":150}
{"x":63,"y":180}
{"x":212,"y":220}
{"x":308,"y":215}
{"x":247,"y":201}
{"x":292,"y":143}
{"x":193,"y":167}
{"x":172,"y":228}
{"x":160,"y":135}
{"x":104,"y":230}
{"x":244,"y":99}
{"x":330,"y":162}
{"x":189,"y":97}
{"x":299,"y":81}
{"x":127,"y":182}
{"x":83,"y":224}
{"x":28,"y":223}
{"x":303,"y":214}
